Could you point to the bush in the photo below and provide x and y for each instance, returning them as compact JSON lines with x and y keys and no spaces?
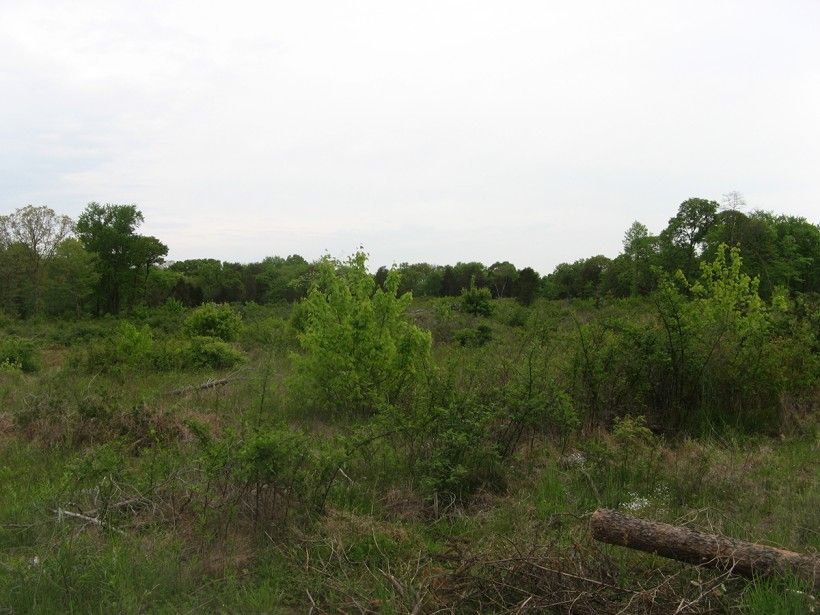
{"x":210,"y":352}
{"x":712,"y":357}
{"x":168,"y":317}
{"x":19,"y":353}
{"x":474,"y":336}
{"x":361,"y":353}
{"x":212,"y":320}
{"x":510,"y":312}
{"x":127,"y":345}
{"x":270,"y":332}
{"x":476,"y":301}
{"x":135,"y":347}
{"x":453,"y":449}
{"x":271,"y":472}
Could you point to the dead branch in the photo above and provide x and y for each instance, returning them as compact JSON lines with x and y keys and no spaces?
{"x":208,"y":384}
{"x":62,"y":513}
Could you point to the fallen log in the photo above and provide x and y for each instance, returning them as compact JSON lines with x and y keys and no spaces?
{"x":685,"y":545}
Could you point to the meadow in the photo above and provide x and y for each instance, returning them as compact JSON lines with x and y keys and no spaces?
{"x":363,"y":451}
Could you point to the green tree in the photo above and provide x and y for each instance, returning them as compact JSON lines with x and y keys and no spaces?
{"x":781,"y":250}
{"x":147,"y":252}
{"x":40,"y":230}
{"x":467,"y":273}
{"x":502,"y":277}
{"x":108,"y":232}
{"x":71,"y":278}
{"x":284,"y":279}
{"x":638,"y":249}
{"x":526,"y":288}
{"x":682,"y":239}
{"x":449,"y":283}
{"x":582,"y":279}
{"x":16,"y":285}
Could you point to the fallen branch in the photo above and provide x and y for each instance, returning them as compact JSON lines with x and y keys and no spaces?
{"x":685,"y":545}
{"x":61,"y":513}
{"x":208,"y":384}
{"x":122,"y":504}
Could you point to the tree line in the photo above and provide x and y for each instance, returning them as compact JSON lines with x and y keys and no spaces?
{"x":53,"y":265}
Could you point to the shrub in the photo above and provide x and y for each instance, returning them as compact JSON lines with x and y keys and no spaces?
{"x":127,"y":345}
{"x":533,"y":402}
{"x":168,"y":317}
{"x":474,"y":336}
{"x":132,"y":343}
{"x":19,"y":353}
{"x":454,"y":449}
{"x":715,"y":343}
{"x":361,"y":353}
{"x":269,"y":472}
{"x":135,"y":347}
{"x":210,"y":352}
{"x":510,"y":312}
{"x":270,"y":332}
{"x":212,"y":320}
{"x":712,"y":357}
{"x":632,"y":432}
{"x":476,"y":301}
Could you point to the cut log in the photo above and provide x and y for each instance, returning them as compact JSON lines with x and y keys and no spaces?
{"x":685,"y":545}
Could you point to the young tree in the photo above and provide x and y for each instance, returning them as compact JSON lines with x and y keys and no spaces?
{"x":361,"y":352}
{"x":638,"y":248}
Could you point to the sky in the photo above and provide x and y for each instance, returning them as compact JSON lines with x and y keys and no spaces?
{"x":435,"y":131}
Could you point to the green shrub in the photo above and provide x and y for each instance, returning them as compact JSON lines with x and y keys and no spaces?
{"x":476,"y":301}
{"x":454,"y":449}
{"x":168,"y":317}
{"x":510,"y":312}
{"x":210,"y":352}
{"x":715,"y":338}
{"x":361,"y":353}
{"x":632,"y":432}
{"x":127,"y":345}
{"x":17,"y":352}
{"x":273,"y":470}
{"x":212,"y":320}
{"x":474,"y":336}
{"x":171,"y":354}
{"x":711,"y":358}
{"x":271,"y":331}
{"x":133,"y":343}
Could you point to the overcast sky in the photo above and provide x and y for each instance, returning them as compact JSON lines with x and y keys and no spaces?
{"x":439,"y":131}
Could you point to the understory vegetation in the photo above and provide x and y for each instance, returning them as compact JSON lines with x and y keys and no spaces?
{"x":357,"y":449}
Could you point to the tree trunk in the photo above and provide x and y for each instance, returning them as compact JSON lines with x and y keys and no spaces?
{"x":685,"y":545}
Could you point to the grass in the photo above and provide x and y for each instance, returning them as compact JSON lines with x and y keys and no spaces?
{"x":87,"y":441}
